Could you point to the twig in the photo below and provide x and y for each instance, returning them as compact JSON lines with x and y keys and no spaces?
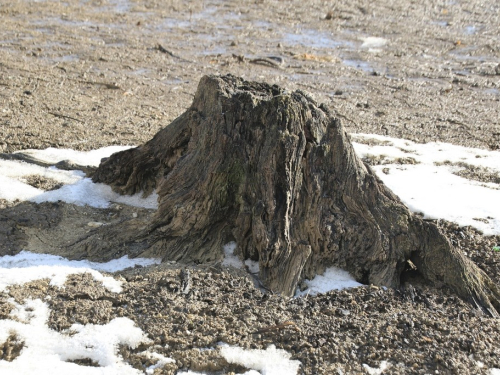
{"x":346,"y":118}
{"x":25,"y":158}
{"x":110,"y":86}
{"x":63,"y":164}
{"x":162,"y":49}
{"x":275,"y":62}
{"x":256,"y":278}
{"x":265,"y":61}
{"x":64,"y":116}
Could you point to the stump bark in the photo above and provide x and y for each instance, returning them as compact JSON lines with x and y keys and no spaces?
{"x":276,"y":173}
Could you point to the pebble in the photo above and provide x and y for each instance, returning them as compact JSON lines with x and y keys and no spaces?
{"x":95,"y":224}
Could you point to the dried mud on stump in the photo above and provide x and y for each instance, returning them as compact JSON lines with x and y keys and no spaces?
{"x":88,"y":74}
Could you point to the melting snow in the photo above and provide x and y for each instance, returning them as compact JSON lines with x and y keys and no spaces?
{"x":25,"y":267}
{"x":270,"y":361}
{"x":76,"y":188}
{"x":430,"y":187}
{"x":333,"y":279}
{"x":384,"y":365}
{"x":46,"y":351}
{"x":89,"y":158}
{"x":162,"y":361}
{"x":373,"y":42}
{"x":230,"y":259}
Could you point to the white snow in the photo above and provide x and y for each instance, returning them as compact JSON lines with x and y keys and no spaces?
{"x":430,"y":187}
{"x":373,"y":42}
{"x":230,"y":259}
{"x":50,"y":352}
{"x":46,"y":351}
{"x":334,"y":278}
{"x":271,"y":361}
{"x":85,"y":192}
{"x":428,"y":153}
{"x":88,"y":158}
{"x":427,"y":187}
{"x":253,"y":266}
{"x":161,"y":360}
{"x":384,"y":365}
{"x":26,"y":266}
{"x":17,"y":169}
{"x":76,"y":189}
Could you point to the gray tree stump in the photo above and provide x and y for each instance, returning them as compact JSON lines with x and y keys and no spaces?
{"x":277,"y":173}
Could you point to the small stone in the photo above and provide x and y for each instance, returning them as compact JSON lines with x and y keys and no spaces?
{"x":134,"y":215}
{"x":95,"y":224}
{"x":116,"y":207}
{"x":343,"y":312}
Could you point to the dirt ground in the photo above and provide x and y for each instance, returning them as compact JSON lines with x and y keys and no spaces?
{"x":84,"y":74}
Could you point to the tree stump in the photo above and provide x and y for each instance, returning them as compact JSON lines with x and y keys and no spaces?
{"x":276,"y":173}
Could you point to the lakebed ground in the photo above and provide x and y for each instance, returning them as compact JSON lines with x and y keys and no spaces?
{"x":86,"y":74}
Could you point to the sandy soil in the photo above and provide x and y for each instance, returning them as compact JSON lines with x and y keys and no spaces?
{"x":84,"y":74}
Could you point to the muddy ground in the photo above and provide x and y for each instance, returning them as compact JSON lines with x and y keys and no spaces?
{"x":84,"y":74}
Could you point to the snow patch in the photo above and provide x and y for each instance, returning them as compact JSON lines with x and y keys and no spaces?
{"x":373,"y":42}
{"x":46,"y":351}
{"x":231,"y":260}
{"x":384,"y":365}
{"x":85,"y":192}
{"x":431,"y":187}
{"x":76,"y":188}
{"x":26,"y":266}
{"x":334,"y":278}
{"x":161,"y":361}
{"x":88,"y":158}
{"x":271,"y":361}
{"x":427,"y":153}
{"x":252,"y":265}
{"x":18,"y":170}
{"x":234,"y":261}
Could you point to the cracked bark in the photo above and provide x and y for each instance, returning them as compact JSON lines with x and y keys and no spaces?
{"x":275,"y":172}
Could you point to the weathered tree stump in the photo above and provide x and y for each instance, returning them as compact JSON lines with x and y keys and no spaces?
{"x":275,"y":172}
